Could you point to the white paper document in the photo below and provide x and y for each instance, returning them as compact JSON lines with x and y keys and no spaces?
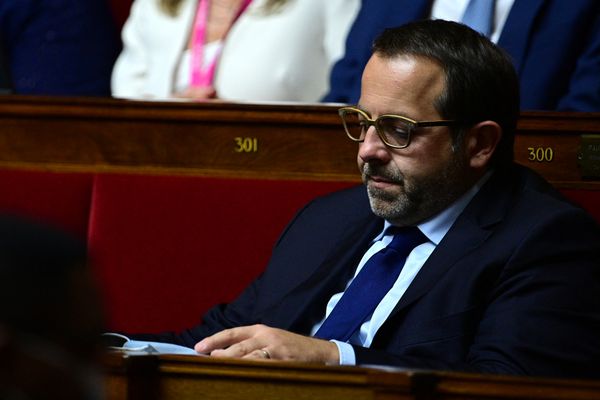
{"x":144,"y":347}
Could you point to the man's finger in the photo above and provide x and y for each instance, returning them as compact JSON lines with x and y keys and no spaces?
{"x":225,"y":338}
{"x":259,"y":354}
{"x":237,"y":350}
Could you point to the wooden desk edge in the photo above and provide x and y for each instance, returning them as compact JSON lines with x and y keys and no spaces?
{"x":418,"y":383}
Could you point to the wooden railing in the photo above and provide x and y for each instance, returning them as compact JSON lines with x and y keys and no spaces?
{"x":245,"y":140}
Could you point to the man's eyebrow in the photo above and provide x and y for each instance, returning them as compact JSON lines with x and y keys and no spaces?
{"x":363,"y":109}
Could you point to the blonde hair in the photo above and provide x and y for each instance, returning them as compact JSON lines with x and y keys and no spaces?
{"x":171,"y":7}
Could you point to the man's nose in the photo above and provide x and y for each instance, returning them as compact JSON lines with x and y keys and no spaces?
{"x":373,"y":147}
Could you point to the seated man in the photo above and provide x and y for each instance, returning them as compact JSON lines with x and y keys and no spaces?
{"x":489,"y":268}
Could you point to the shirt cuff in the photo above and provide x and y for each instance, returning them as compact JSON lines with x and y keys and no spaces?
{"x":347,"y":356}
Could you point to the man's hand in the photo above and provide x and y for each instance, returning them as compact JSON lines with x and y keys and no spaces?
{"x":197,"y":93}
{"x":263,"y":342}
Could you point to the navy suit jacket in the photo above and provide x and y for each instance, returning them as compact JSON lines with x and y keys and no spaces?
{"x":58,"y":47}
{"x":554,"y":45}
{"x":512,"y":288}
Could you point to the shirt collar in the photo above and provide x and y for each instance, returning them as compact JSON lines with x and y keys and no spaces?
{"x":436,"y":227}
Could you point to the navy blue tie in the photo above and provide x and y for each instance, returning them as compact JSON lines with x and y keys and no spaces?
{"x":368,"y":288}
{"x":479,"y":15}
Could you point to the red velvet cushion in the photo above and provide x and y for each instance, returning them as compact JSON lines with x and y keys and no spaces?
{"x":59,"y":199}
{"x":168,"y":248}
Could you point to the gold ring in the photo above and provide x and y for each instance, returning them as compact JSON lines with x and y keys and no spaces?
{"x":265,"y":354}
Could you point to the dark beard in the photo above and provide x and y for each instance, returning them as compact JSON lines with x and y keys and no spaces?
{"x":421,"y":198}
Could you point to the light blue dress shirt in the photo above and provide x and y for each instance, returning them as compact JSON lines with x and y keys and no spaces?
{"x":434,"y":229}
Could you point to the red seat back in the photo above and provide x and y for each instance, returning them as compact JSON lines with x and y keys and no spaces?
{"x":58,"y":199}
{"x":166,"y":248}
{"x":170,"y":247}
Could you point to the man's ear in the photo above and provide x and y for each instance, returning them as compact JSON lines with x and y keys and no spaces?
{"x":481,"y":142}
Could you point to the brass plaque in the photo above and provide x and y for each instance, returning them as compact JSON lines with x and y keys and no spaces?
{"x":589,"y":157}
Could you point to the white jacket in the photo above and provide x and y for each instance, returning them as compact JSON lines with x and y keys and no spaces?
{"x":282,"y":56}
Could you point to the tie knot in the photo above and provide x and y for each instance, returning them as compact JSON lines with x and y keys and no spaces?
{"x":405,"y":238}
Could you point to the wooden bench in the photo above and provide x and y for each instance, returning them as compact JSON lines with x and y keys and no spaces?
{"x":180,"y":203}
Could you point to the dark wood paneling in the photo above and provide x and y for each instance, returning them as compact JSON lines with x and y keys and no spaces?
{"x":285,"y":141}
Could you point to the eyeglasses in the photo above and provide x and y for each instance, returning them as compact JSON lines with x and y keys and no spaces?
{"x":394,"y":130}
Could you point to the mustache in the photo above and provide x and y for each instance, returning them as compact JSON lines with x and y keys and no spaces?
{"x":380,"y":171}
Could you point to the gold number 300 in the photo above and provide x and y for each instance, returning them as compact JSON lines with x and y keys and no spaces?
{"x":540,"y":154}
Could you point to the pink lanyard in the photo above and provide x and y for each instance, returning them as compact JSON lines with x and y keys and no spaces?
{"x":203,"y":76}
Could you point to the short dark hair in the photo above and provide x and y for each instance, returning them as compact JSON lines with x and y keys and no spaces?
{"x":481,"y":82}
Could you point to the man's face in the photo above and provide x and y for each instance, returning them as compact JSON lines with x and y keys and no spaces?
{"x":407,"y":186}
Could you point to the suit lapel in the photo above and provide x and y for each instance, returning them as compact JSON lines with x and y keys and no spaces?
{"x":448,"y":252}
{"x":177,"y":29}
{"x":470,"y":230}
{"x":304,"y":305}
{"x":182,"y":26}
{"x":517,"y":30}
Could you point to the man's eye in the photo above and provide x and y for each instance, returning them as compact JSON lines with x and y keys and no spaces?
{"x":398,"y":131}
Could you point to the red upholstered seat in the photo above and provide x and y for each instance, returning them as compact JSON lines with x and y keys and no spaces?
{"x":59,"y":199}
{"x":166,"y":248}
{"x":169,"y":247}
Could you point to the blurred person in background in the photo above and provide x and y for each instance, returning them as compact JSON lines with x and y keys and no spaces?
{"x":273,"y":50}
{"x":50,"y":315}
{"x":58,"y":47}
{"x":285,"y":54}
{"x":554,"y":45}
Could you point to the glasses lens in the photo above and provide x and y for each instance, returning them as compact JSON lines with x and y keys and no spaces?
{"x":395,"y":130}
{"x":355,"y":124}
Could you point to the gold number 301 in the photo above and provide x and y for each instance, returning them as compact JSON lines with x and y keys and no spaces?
{"x":245,"y":145}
